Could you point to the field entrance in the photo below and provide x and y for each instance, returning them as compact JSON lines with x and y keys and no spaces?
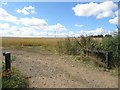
{"x":45,"y":69}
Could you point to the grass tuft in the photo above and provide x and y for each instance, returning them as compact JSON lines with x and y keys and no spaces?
{"x":17,"y":80}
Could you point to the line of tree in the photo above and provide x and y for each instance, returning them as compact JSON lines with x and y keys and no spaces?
{"x":100,"y":36}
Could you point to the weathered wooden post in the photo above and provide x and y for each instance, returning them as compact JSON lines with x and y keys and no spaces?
{"x":7,"y":60}
{"x":109,"y":57}
{"x":84,"y":52}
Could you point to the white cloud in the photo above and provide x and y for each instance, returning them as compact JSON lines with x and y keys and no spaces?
{"x":28,"y":32}
{"x":4,"y":25}
{"x":5,"y":16}
{"x":28,"y":26}
{"x":32,"y":21}
{"x":19,"y":32}
{"x":26,"y":10}
{"x":116,"y":13}
{"x":31,"y":31}
{"x":100,"y":10}
{"x":77,"y":25}
{"x":58,"y":26}
{"x":18,"y":11}
{"x":33,"y":12}
{"x":41,"y":24}
{"x":5,"y":3}
{"x":97,"y":31}
{"x":114,"y":21}
{"x":29,"y":8}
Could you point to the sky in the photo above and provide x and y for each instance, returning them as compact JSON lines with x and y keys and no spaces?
{"x":57,"y":19}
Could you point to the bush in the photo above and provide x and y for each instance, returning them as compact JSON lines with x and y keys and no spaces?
{"x":69,"y":46}
{"x":112,"y":44}
{"x":75,"y":46}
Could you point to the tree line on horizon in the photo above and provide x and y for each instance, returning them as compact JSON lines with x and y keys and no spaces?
{"x":99,"y":36}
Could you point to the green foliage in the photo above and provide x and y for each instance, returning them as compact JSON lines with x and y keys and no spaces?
{"x":75,"y":46}
{"x":69,"y":46}
{"x":13,"y":58}
{"x":83,"y":42}
{"x":17,"y":80}
{"x":112,"y":44}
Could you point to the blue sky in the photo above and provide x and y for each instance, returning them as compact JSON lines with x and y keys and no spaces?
{"x":49,"y":19}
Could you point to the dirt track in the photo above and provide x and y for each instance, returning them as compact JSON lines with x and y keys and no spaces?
{"x":47,"y":70}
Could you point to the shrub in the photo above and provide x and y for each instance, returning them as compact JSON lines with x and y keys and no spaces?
{"x":69,"y":46}
{"x":112,"y":44}
{"x":75,"y":46}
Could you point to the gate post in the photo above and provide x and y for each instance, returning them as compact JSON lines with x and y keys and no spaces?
{"x":7,"y":61}
{"x":109,"y":57}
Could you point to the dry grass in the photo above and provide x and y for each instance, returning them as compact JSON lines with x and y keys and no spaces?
{"x":98,"y":39}
{"x":51,"y":44}
{"x":13,"y":41}
{"x":7,"y":42}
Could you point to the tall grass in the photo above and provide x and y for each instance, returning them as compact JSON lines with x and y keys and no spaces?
{"x":70,"y":46}
{"x":6,"y":42}
{"x":112,"y":44}
{"x":75,"y":46}
{"x":48,"y":43}
{"x":17,"y":79}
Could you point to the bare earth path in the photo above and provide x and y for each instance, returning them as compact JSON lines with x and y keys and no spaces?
{"x":47,"y":70}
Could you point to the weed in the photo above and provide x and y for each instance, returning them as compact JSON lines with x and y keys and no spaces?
{"x":13,"y":58}
{"x":17,"y":80}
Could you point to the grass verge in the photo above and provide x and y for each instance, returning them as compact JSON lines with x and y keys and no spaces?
{"x":89,"y":62}
{"x":17,"y":80}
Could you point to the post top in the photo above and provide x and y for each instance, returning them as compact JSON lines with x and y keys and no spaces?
{"x":7,"y":52}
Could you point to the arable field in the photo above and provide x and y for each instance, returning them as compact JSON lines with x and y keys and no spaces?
{"x":46,"y":69}
{"x":48,"y":43}
{"x":11,"y":41}
{"x":14,"y":41}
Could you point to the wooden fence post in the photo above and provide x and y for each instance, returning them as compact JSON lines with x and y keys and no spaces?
{"x":7,"y":61}
{"x":109,"y":58}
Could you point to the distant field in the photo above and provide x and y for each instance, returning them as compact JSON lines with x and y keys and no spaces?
{"x":6,"y":42}
{"x":47,"y":42}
